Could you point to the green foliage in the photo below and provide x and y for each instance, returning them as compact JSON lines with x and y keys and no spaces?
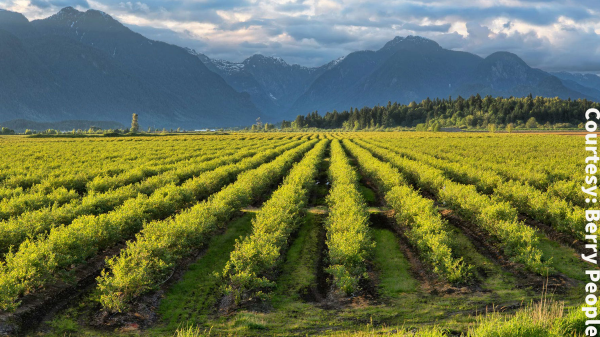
{"x":531,"y":123}
{"x":428,"y":231}
{"x":64,"y":325}
{"x":499,"y":219}
{"x":6,"y":131}
{"x":190,"y":331}
{"x":541,"y":206}
{"x":348,"y":240}
{"x":473,"y":112}
{"x":279,"y":217}
{"x":394,"y":275}
{"x":149,"y":261}
{"x":285,"y":124}
{"x":11,"y":207}
{"x":108,"y":192}
{"x":62,"y":201}
{"x":37,"y":260}
{"x":195,"y":296}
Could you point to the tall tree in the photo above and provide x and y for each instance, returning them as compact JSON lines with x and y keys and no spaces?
{"x":135,"y":126}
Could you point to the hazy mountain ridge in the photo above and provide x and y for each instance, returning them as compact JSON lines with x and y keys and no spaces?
{"x":87,"y":65}
{"x":404,"y":69}
{"x":273,"y":84}
{"x":95,"y":68}
{"x":588,"y":84}
{"x":414,"y":68}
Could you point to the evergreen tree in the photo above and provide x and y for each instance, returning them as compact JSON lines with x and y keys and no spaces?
{"x":473,"y":112}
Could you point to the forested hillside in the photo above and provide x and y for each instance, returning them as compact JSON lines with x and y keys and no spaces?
{"x":473,"y":112}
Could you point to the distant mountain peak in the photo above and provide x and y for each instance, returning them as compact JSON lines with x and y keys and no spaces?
{"x":259,"y":58}
{"x":72,"y":13}
{"x":505,"y":56}
{"x":78,"y":22}
{"x":504,"y":71}
{"x":67,"y":11}
{"x":66,"y":14}
{"x":411,"y":42}
{"x":7,"y":13}
{"x":16,"y":23}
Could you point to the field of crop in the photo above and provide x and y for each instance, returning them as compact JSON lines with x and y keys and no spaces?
{"x":292,"y":234}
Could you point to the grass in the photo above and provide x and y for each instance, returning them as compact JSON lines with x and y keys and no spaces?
{"x":368,"y":195}
{"x":299,"y":272}
{"x":563,"y":259}
{"x":393,"y":267}
{"x":194,"y":297}
{"x":488,"y":273}
{"x":63,"y":325}
{"x":191,"y":331}
{"x":545,"y":318}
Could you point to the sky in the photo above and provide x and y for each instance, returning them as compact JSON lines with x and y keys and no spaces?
{"x":551,"y":35}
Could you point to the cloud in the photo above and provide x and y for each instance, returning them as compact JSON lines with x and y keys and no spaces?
{"x":135,"y":6}
{"x":293,"y":6}
{"x":184,"y":39}
{"x":45,"y":4}
{"x":426,"y":28}
{"x":547,"y":34}
{"x":321,"y":32}
{"x":247,"y":44}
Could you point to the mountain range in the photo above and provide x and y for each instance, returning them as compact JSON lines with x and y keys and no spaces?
{"x":87,"y":66}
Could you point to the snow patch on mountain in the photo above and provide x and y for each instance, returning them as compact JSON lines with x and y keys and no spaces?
{"x":227,"y":66}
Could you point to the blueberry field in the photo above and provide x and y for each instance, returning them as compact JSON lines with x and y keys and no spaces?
{"x":293,"y":234}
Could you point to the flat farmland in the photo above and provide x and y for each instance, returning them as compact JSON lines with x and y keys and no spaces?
{"x":293,"y":234}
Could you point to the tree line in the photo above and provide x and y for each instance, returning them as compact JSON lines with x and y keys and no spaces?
{"x":474,"y":112}
{"x":6,"y":131}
